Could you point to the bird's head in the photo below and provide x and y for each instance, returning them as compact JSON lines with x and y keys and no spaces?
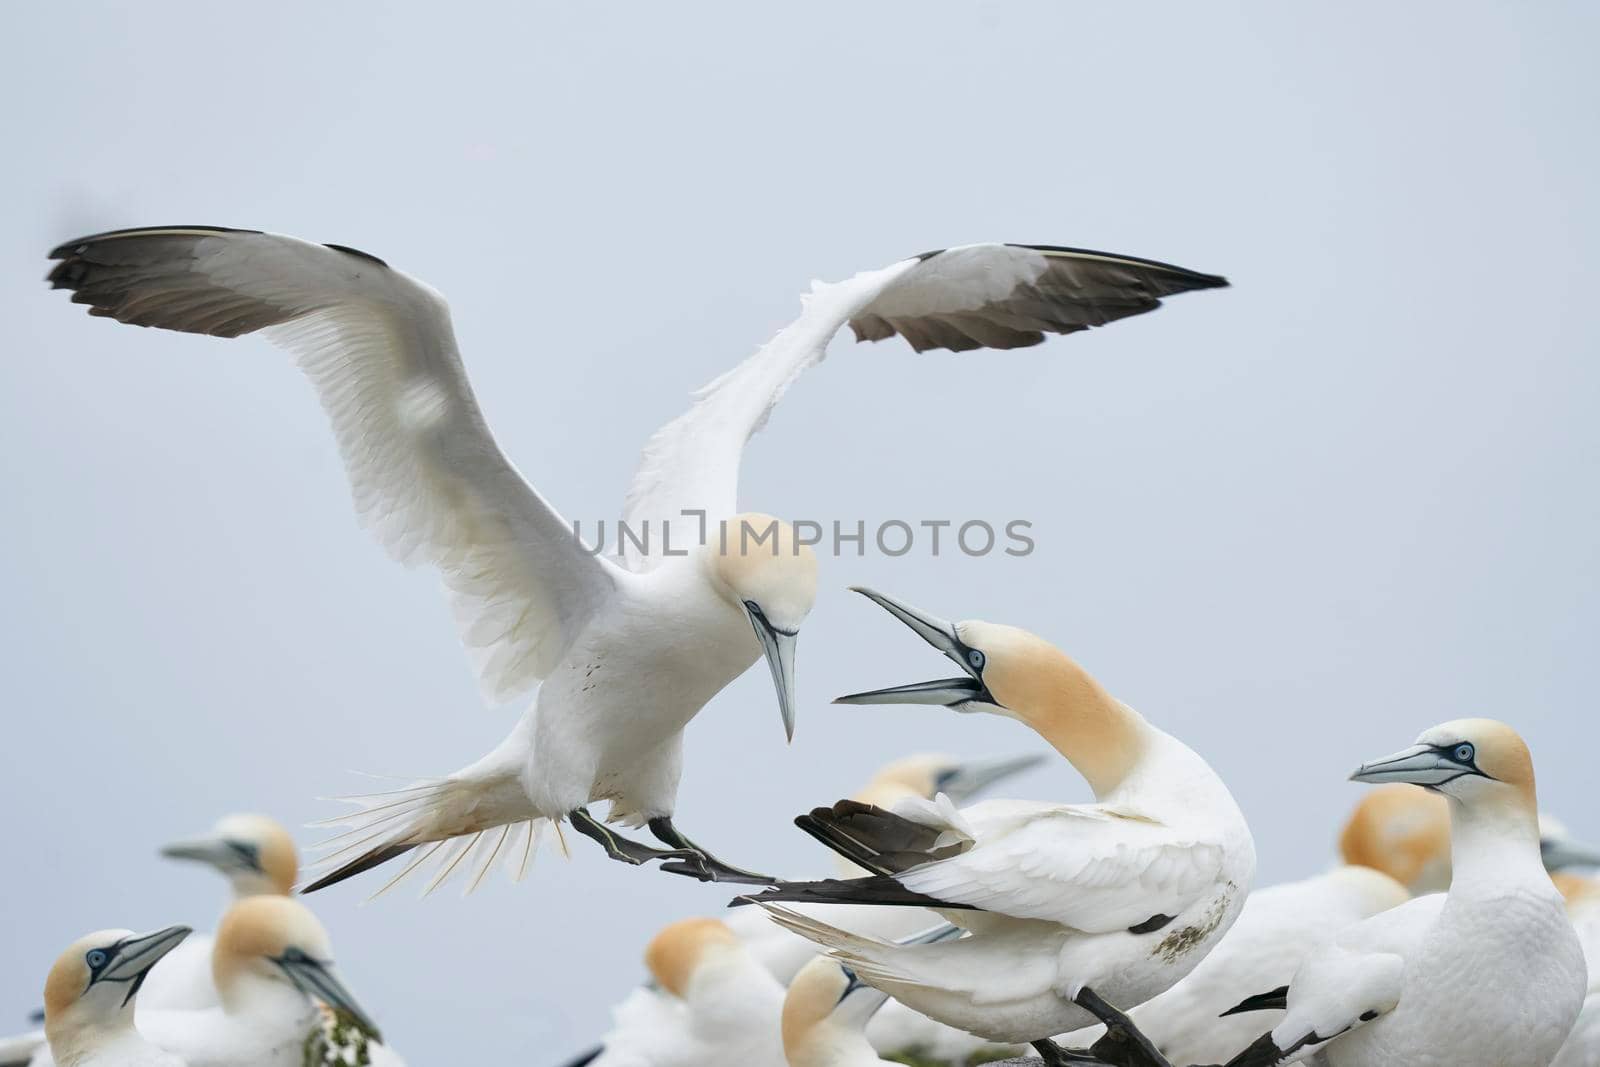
{"x":253,"y":852}
{"x":1478,"y":762}
{"x":94,"y":981}
{"x":277,"y":939}
{"x":760,"y":565}
{"x":684,"y":950}
{"x":826,"y":1005}
{"x":927,"y":774}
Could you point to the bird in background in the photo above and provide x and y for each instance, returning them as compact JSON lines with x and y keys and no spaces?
{"x":258,"y":858}
{"x":90,"y":997}
{"x":1582,"y":894}
{"x":1073,"y":912}
{"x":1490,"y":972}
{"x":627,"y":650}
{"x":642,"y":1021}
{"x":274,"y":972}
{"x":1395,"y":834}
{"x":825,"y":1016}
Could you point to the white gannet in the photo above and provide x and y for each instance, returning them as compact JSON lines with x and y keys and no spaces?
{"x":1490,"y":972}
{"x":717,"y":1006}
{"x":273,"y":968}
{"x":1404,"y":831}
{"x":257,"y":857}
{"x":1582,"y":895}
{"x":639,"y":1020}
{"x":90,"y":996}
{"x":825,"y":1016}
{"x":627,"y":653}
{"x":1074,"y":910}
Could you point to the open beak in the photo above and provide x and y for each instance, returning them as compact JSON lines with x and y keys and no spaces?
{"x":135,"y":956}
{"x":210,"y":850}
{"x":1419,"y":765}
{"x":1561,"y":854}
{"x":778,"y":646}
{"x":948,"y":692}
{"x":316,"y":979}
{"x":971,"y":777}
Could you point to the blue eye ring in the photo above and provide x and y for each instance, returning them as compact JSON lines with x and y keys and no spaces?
{"x":97,"y":958}
{"x":975,"y":658}
{"x":1464,"y":752}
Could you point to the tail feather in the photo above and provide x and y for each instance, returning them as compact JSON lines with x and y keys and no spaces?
{"x":866,"y":956}
{"x":1275,"y":998}
{"x":464,"y":820}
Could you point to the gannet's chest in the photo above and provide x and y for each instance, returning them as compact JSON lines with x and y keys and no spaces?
{"x":1496,"y":981}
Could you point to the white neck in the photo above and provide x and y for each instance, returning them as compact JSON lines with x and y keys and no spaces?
{"x":247,"y":993}
{"x":1494,"y":846}
{"x":76,"y":1042}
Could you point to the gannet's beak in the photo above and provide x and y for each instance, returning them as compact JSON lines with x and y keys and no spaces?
{"x":949,"y":692}
{"x":211,"y":849}
{"x":778,"y":646}
{"x":132,"y":959}
{"x":971,"y":777}
{"x":1419,"y":765}
{"x":1561,"y":854}
{"x":858,"y":1002}
{"x":316,"y":979}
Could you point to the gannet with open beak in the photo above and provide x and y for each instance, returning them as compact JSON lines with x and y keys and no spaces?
{"x":716,"y":1005}
{"x":825,"y":1016}
{"x":640,"y":1019}
{"x":1074,"y":910}
{"x":628,"y":653}
{"x":258,"y":858}
{"x":90,"y":996}
{"x":1490,"y":972}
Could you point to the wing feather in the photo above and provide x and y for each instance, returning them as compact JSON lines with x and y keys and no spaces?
{"x":426,"y":475}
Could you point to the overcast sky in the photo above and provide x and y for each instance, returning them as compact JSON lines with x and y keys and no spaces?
{"x":1294,"y":522}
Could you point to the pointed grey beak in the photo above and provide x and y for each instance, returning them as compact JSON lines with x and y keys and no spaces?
{"x":1419,"y":765}
{"x":1562,"y":854}
{"x":210,"y":850}
{"x":859,"y":1002}
{"x":316,"y":979}
{"x":134,"y":957}
{"x":778,"y":646}
{"x":971,"y":777}
{"x":945,"y":692}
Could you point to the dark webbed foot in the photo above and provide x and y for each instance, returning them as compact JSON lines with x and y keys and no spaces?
{"x":619,"y":848}
{"x":700,"y":863}
{"x":1124,"y":1044}
{"x":1055,"y":1055}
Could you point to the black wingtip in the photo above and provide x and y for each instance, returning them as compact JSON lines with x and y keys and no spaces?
{"x":1193,"y":279}
{"x":583,"y":1059}
{"x":359,"y":865}
{"x":1272,"y":999}
{"x":347,"y":250}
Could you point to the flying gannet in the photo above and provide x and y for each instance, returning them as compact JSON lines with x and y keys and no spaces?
{"x":628,"y":653}
{"x":1073,"y":910}
{"x":91,"y":994}
{"x":258,"y":858}
{"x":1490,"y":972}
{"x":274,"y":972}
{"x":639,"y":1020}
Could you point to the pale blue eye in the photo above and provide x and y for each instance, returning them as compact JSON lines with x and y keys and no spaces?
{"x":96,"y":958}
{"x":975,"y":658}
{"x":1464,"y":753}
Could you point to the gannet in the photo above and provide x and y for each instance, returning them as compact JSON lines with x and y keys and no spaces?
{"x":1490,"y":972}
{"x":825,"y":1015}
{"x":630,"y":651}
{"x":273,"y":967}
{"x":1405,"y":832}
{"x":1582,"y":1048}
{"x":90,"y":995}
{"x":257,"y":857}
{"x":1074,"y":910}
{"x":718,"y":1005}
{"x":639,"y":1020}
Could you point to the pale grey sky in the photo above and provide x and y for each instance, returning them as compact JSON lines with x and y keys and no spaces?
{"x":1294,"y":522}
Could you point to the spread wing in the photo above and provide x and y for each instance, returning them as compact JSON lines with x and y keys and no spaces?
{"x":976,"y":296}
{"x":427,"y":476}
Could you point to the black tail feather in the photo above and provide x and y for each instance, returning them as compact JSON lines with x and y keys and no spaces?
{"x":1275,"y":998}
{"x":364,"y":862}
